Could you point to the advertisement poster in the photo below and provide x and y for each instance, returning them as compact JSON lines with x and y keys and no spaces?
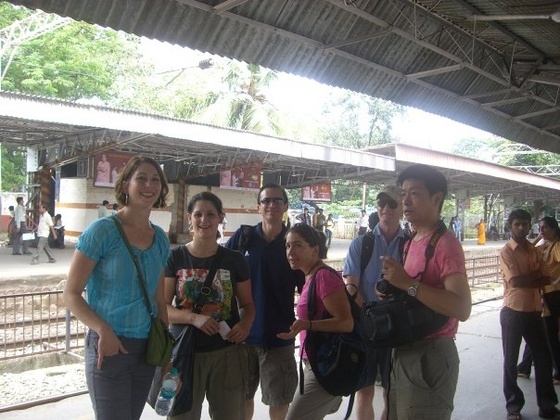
{"x":316,"y":192}
{"x":107,"y":166}
{"x":244,"y":178}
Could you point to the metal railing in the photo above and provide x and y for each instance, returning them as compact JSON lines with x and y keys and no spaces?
{"x":37,"y":322}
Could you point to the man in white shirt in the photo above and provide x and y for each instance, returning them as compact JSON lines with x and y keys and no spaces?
{"x":102,"y":210}
{"x":44,"y":227}
{"x":21,"y":228}
{"x":362,"y":224}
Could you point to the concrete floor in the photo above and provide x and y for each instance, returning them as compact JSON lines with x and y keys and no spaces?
{"x":479,"y":392}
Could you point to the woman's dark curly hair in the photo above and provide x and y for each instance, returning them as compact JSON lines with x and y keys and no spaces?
{"x":129,"y":170}
{"x":312,"y":237}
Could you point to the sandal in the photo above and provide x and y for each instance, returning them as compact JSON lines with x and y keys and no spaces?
{"x":514,"y":416}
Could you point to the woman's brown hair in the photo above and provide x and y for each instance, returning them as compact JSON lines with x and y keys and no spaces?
{"x":127,"y":172}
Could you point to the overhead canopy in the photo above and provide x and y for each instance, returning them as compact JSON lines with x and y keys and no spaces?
{"x":492,"y":64}
{"x":65,"y":132}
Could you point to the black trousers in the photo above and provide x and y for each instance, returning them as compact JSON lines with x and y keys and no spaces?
{"x":528,"y":325}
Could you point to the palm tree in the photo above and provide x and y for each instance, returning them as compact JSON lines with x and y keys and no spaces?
{"x":241,"y":103}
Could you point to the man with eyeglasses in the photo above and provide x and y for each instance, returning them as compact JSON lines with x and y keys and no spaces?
{"x":271,"y":360}
{"x":388,"y":240}
{"x":425,"y":372}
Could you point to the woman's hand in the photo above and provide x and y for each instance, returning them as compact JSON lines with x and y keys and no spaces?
{"x":108,"y":345}
{"x":297,"y":326}
{"x":206,"y":324}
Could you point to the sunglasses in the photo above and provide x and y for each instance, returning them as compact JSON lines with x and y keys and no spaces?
{"x":272,"y":201}
{"x":382,"y":202}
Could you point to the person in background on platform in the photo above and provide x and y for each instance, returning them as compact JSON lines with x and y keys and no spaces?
{"x":115,"y":208}
{"x":362,"y":224}
{"x":319,"y":220}
{"x":550,"y":247}
{"x":458,"y":229}
{"x":117,"y":374}
{"x":305,"y":250}
{"x":44,"y":227}
{"x":388,"y":241}
{"x":221,"y":231}
{"x":425,"y":372}
{"x":57,"y":242}
{"x":525,"y":272}
{"x":481,"y":232}
{"x":329,"y":226}
{"x":272,"y":360}
{"x":219,"y":369}
{"x":102,"y":209}
{"x":305,"y":217}
{"x":21,"y":228}
{"x":11,"y":225}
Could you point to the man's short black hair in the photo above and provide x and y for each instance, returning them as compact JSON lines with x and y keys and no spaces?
{"x":519,"y":214}
{"x":433,"y":180}
{"x":105,"y":202}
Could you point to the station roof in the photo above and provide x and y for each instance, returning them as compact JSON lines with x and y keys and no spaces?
{"x":491,"y":64}
{"x":66,"y":132}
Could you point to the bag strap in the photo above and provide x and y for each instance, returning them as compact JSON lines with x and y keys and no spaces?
{"x":137,"y":265}
{"x":205,"y":290}
{"x":431,"y":248}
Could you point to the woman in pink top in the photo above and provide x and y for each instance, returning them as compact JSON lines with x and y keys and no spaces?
{"x":305,"y":250}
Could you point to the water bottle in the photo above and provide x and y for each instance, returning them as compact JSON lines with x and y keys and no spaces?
{"x":166,"y":396}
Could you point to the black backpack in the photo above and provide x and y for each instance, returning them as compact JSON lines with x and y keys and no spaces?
{"x":368,"y":243}
{"x":247,"y":234}
{"x":401,"y":319}
{"x":338,"y":360}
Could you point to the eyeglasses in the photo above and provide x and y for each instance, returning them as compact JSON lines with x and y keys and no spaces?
{"x":382,"y":202}
{"x":272,"y":201}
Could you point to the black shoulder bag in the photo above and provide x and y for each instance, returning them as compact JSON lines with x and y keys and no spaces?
{"x":401,"y":319}
{"x":160,"y":341}
{"x":182,"y":357}
{"x":337,"y":360}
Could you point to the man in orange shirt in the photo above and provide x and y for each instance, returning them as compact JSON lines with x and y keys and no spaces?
{"x":524,"y":274}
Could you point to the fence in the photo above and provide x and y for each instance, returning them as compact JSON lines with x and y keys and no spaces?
{"x":37,"y":322}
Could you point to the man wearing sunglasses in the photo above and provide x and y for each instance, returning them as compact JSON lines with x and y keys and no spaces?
{"x":388,"y":238}
{"x":273,"y":282}
{"x":425,"y":372}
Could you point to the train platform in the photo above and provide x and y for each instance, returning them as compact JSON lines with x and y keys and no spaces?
{"x":479,"y":392}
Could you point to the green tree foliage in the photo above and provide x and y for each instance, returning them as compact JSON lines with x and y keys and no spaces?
{"x":13,"y":168}
{"x":239,"y":101}
{"x":72,"y":62}
{"x":357,"y":121}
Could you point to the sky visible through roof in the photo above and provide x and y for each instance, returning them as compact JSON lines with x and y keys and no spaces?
{"x":306,"y":96}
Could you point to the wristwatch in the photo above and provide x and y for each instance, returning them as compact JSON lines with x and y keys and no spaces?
{"x":412,"y":290}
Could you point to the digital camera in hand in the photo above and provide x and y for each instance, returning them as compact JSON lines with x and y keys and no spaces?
{"x":383,"y":286}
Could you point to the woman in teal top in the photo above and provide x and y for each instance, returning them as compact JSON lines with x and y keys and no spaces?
{"x":117,"y":374}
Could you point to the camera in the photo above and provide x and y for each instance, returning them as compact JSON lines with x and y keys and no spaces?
{"x":383,"y":286}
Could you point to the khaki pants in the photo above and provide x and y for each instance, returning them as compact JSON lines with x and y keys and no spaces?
{"x":220,"y":377}
{"x":424,"y":380}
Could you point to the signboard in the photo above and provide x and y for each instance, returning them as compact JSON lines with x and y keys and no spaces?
{"x":107,"y":166}
{"x":244,"y":178}
{"x":317,"y":192}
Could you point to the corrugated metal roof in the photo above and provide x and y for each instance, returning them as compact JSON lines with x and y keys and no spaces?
{"x":66,"y":132}
{"x":502,"y":76}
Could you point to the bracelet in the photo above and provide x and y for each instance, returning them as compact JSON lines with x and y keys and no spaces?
{"x":310,"y":325}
